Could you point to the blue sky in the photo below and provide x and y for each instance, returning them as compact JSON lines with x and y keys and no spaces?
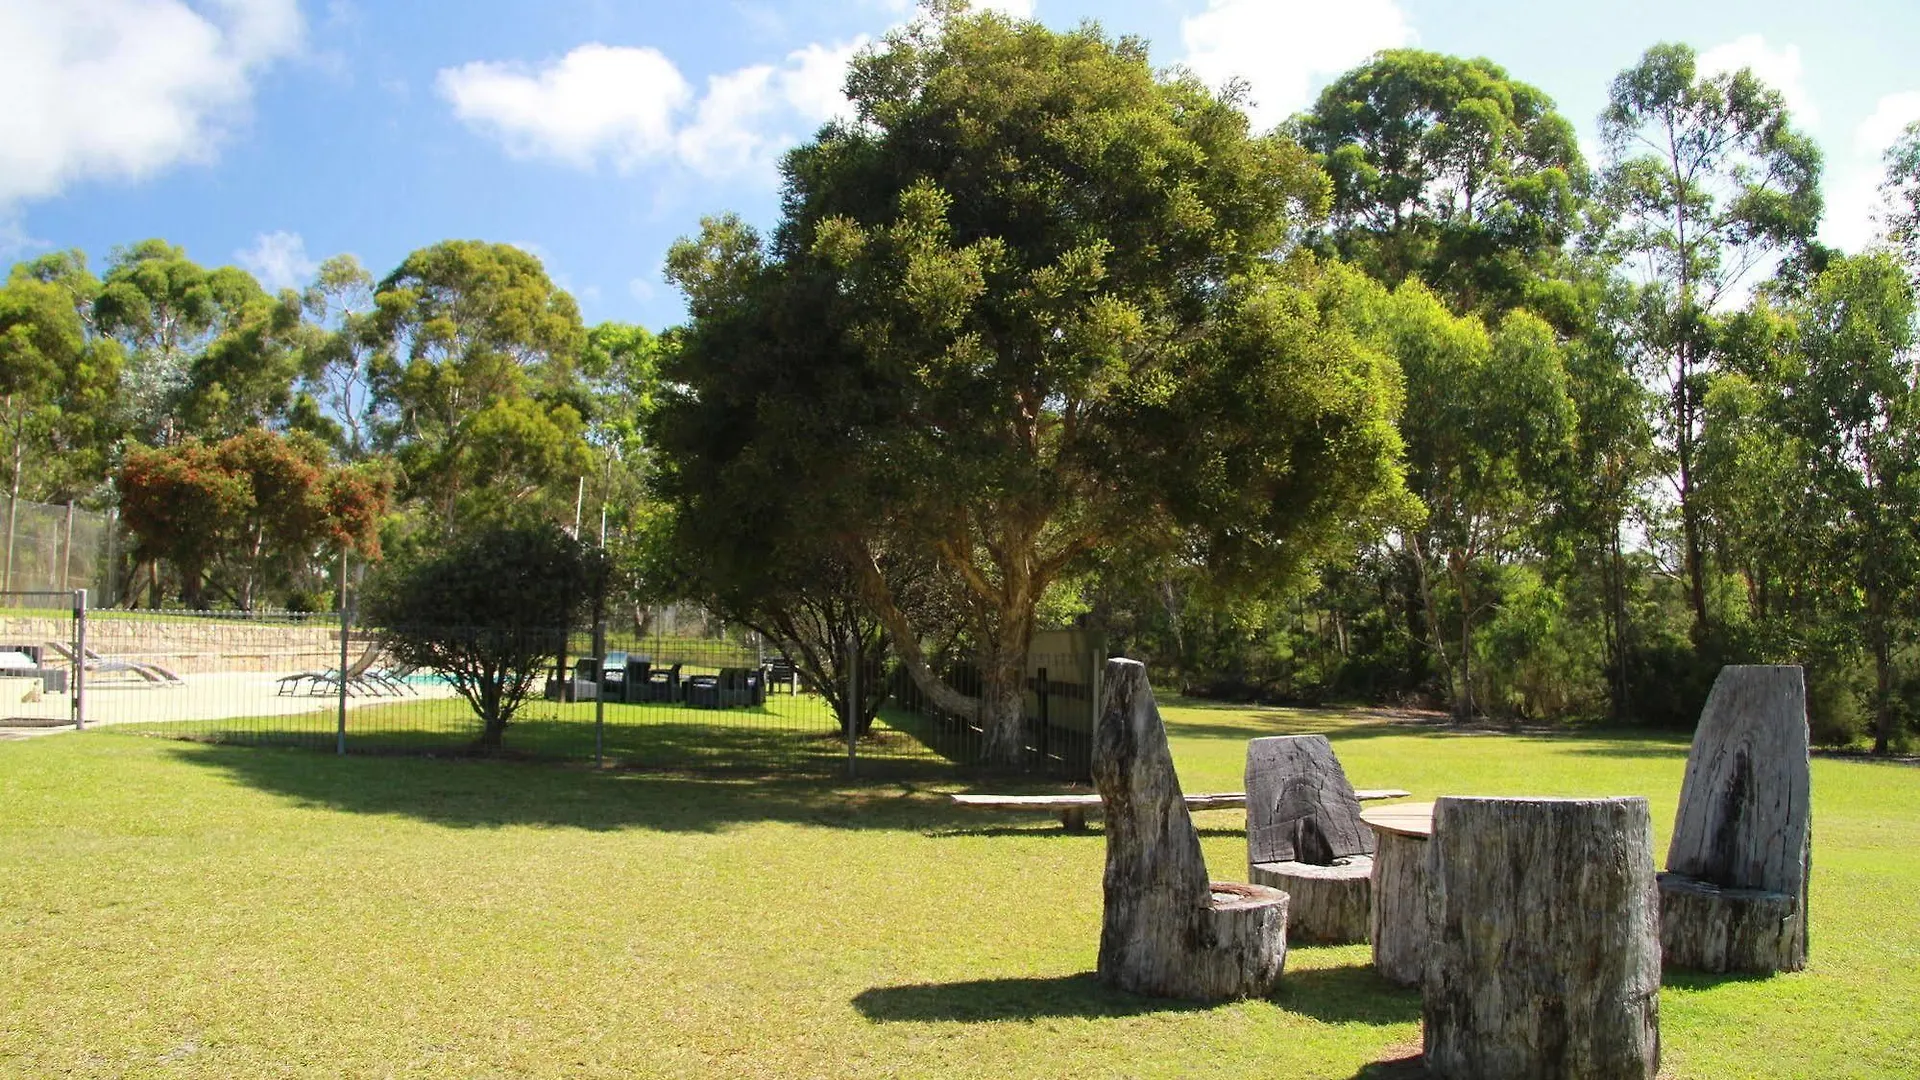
{"x":273,"y":133}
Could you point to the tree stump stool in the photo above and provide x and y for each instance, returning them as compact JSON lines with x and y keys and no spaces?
{"x":1304,"y":837}
{"x":1165,"y":929}
{"x":1544,"y":958}
{"x":1398,"y":921}
{"x":1734,"y":897}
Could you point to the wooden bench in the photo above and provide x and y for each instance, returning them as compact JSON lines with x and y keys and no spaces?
{"x":1072,"y":809}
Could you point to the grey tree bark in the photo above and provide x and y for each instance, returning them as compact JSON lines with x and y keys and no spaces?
{"x":1734,"y":897}
{"x":1544,"y":958}
{"x":1165,"y":929}
{"x":1305,"y":838}
{"x":1397,"y":922}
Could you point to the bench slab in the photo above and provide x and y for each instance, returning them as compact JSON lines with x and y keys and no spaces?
{"x":1073,"y":808}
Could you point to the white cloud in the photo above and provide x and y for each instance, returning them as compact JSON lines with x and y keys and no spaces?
{"x":1853,"y":181}
{"x":122,"y":89}
{"x":598,"y":100}
{"x":1279,"y":47}
{"x":279,"y":260}
{"x":1017,"y":9}
{"x":814,"y":78}
{"x":1779,"y":68}
{"x":631,"y":107}
{"x":1890,"y":117}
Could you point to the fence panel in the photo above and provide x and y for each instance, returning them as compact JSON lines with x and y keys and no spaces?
{"x":54,"y":549}
{"x":733,"y":704}
{"x":40,"y":671}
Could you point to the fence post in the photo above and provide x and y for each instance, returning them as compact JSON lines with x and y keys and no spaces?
{"x":600,"y":699}
{"x":1040,"y":694}
{"x":346,"y":625}
{"x":80,"y":659}
{"x":111,"y":580}
{"x":853,"y":701}
{"x":66,"y":550}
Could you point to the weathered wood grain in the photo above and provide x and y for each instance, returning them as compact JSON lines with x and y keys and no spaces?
{"x":1397,"y":922}
{"x":1734,"y":897}
{"x":1300,"y":807}
{"x":1326,"y":905}
{"x":1304,"y":837}
{"x":1166,"y":930}
{"x":1544,"y":956}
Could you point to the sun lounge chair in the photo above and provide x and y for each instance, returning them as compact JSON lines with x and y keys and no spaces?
{"x":106,"y":665}
{"x":354,"y":680}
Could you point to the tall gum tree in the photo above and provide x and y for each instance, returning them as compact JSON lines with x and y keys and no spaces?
{"x":1706,"y":182}
{"x":1033,"y":305}
{"x":476,"y":355}
{"x":1449,"y":171}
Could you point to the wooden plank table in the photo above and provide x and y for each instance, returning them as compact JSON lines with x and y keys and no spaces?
{"x":1073,"y":808}
{"x":1398,"y":926}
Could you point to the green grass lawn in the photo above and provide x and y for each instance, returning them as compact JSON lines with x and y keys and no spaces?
{"x":178,"y":909}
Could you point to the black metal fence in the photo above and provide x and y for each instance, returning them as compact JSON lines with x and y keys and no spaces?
{"x":737,"y":703}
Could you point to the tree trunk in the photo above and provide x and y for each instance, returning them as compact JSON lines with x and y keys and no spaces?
{"x":1435,"y":635}
{"x":13,"y":506}
{"x":1544,"y":959}
{"x":1884,"y":716}
{"x":1463,"y":707}
{"x":1165,"y":929}
{"x":1397,"y":922}
{"x":1742,"y":844}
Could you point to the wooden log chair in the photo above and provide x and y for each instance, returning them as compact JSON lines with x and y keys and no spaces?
{"x":1305,"y":838}
{"x":1544,"y":958}
{"x":1167,"y":930}
{"x":1734,"y":897}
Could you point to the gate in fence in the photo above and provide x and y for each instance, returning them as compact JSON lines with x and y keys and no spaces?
{"x":45,"y":658}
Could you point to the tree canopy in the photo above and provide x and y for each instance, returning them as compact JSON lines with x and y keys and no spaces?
{"x":1450,"y":171}
{"x":1032,"y":303}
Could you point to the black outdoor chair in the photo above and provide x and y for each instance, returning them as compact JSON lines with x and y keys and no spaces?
{"x":613,"y":677}
{"x":639,"y":679}
{"x":703,"y":691}
{"x":778,"y":670}
{"x":742,"y":686}
{"x":663,"y":684}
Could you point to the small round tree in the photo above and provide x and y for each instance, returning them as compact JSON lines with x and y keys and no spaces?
{"x":487,"y":611}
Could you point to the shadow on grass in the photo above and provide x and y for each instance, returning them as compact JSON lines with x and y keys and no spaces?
{"x":1403,"y":1067}
{"x":1055,"y":830}
{"x":481,"y":793}
{"x":985,"y":1000}
{"x":1347,"y":995}
{"x":1702,"y":980}
{"x":1331,"y":995}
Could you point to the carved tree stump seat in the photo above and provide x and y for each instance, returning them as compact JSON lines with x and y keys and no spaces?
{"x":1305,"y":838}
{"x":1166,"y":930}
{"x":1327,"y":905}
{"x":1734,"y":897}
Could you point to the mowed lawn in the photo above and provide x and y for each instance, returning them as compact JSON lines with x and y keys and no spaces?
{"x":175,"y":909}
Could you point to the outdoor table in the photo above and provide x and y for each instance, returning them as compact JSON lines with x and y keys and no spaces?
{"x":1398,"y":925}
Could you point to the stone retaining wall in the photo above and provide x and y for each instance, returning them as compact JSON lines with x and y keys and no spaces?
{"x":191,"y":646}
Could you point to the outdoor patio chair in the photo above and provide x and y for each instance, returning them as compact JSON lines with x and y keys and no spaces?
{"x":354,"y":679}
{"x":664,"y":684}
{"x":779,"y":670}
{"x":106,"y":665}
{"x":703,"y":691}
{"x":613,"y":678}
{"x":23,"y":662}
{"x":740,"y":686}
{"x":394,"y":680}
